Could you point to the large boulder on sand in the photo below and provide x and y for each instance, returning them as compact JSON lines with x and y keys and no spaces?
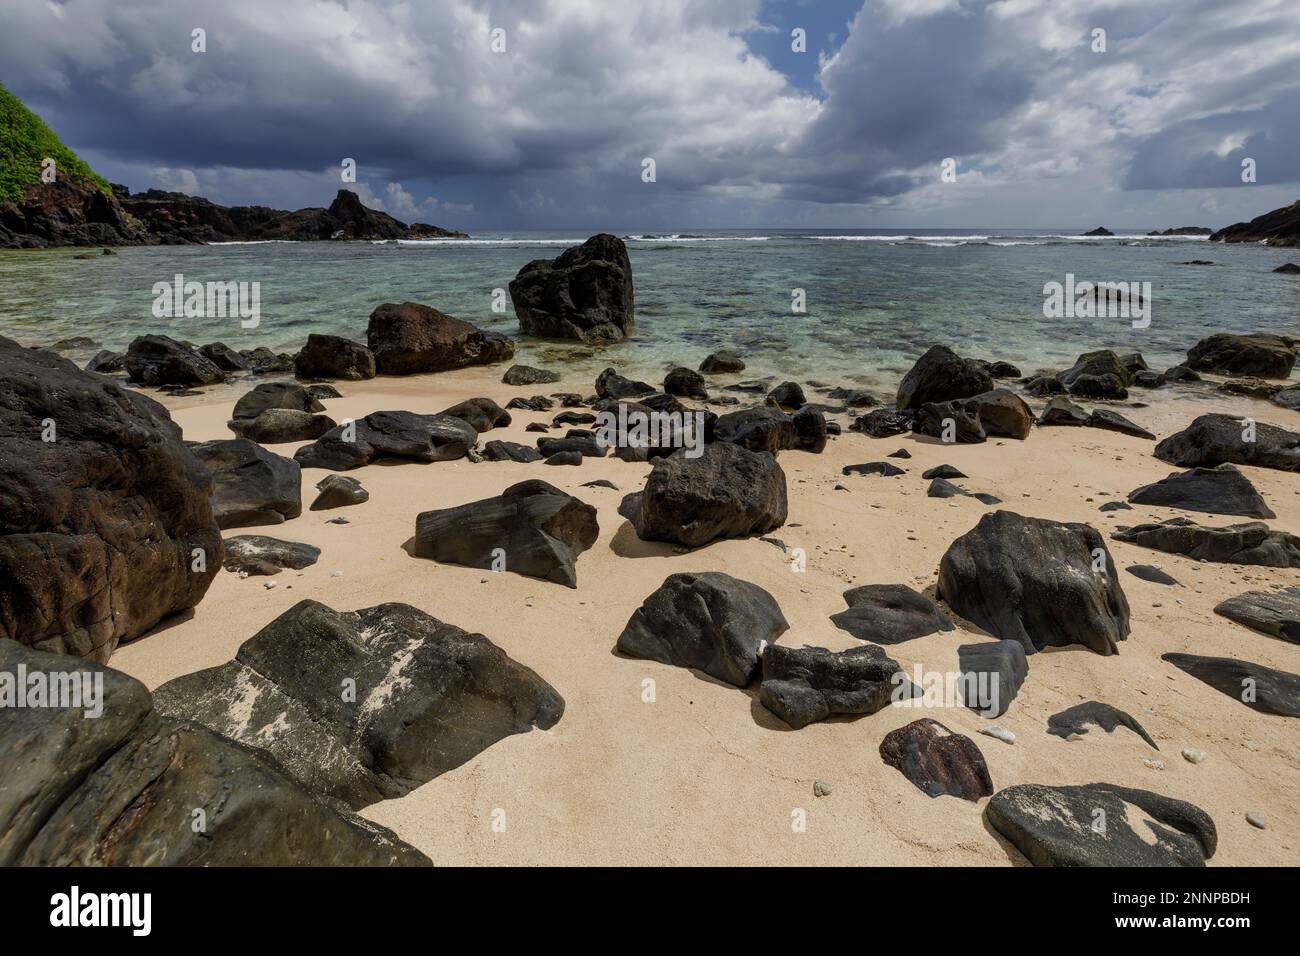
{"x":1267,"y":356}
{"x":802,"y":685}
{"x":331,"y":356}
{"x":366,"y":705}
{"x":531,"y":528}
{"x":1211,"y":440}
{"x":390,"y":434}
{"x":1040,"y":582}
{"x":941,"y":375}
{"x":411,"y":338}
{"x":707,"y":620}
{"x":160,"y":360}
{"x":106,"y":528}
{"x":289,"y":396}
{"x":726,"y":492}
{"x":1223,"y":490}
{"x":584,"y":294}
{"x":999,"y":411}
{"x":250,"y":485}
{"x":124,"y":786}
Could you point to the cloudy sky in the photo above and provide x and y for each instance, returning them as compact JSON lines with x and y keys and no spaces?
{"x":744,"y":130}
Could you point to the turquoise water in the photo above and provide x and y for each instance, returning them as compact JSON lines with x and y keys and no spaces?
{"x":874,"y":300}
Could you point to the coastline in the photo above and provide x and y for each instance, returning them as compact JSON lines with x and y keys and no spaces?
{"x":620,"y":781}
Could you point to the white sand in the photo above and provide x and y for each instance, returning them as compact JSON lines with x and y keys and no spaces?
{"x":704,"y":774}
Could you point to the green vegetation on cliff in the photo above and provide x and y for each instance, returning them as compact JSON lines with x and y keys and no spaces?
{"x":24,"y":142}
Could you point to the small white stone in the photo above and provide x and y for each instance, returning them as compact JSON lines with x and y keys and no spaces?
{"x":821,"y":788}
{"x":1192,"y":755}
{"x":1255,"y":820}
{"x":336,"y":574}
{"x":1001,"y":733}
{"x":268,"y":585}
{"x":1153,"y":764}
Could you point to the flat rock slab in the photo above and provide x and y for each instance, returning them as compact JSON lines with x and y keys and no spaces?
{"x":1040,"y":582}
{"x":1276,"y":613}
{"x":802,"y":685}
{"x":510,"y":451}
{"x":531,"y":528}
{"x":882,"y":468}
{"x":889,"y":614}
{"x":1147,"y":572}
{"x":121,"y":789}
{"x":1222,"y":490}
{"x":1074,"y":720}
{"x":937,"y":760}
{"x":1258,"y":687}
{"x":258,"y":554}
{"x":250,"y":485}
{"x":1251,"y":542}
{"x":393,"y":434}
{"x":943,"y":471}
{"x":365,"y":705}
{"x":1212,"y":440}
{"x":1099,"y":824}
{"x":1111,"y":421}
{"x":709,"y":621}
{"x":991,"y":675}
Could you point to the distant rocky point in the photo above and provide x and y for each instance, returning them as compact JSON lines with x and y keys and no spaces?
{"x":1281,"y":227}
{"x":1183,"y":231}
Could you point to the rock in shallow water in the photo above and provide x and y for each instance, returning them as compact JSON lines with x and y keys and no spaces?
{"x":937,"y":760}
{"x":250,"y":485}
{"x":160,"y":360}
{"x":1040,"y":582}
{"x":110,"y":790}
{"x":1222,"y":490}
{"x":585,"y":293}
{"x":1258,"y":687}
{"x":365,"y":705}
{"x":259,"y":554}
{"x":1270,"y":612}
{"x":331,"y":356}
{"x":1267,"y":356}
{"x":802,"y":685}
{"x":411,"y":338}
{"x":889,"y":614}
{"x":709,"y":621}
{"x":531,"y":528}
{"x":1100,"y":824}
{"x":1074,"y":720}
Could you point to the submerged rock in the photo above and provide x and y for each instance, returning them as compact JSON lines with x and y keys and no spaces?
{"x":1074,"y":720}
{"x":393,"y":434}
{"x":250,"y":485}
{"x":937,"y":760}
{"x":366,"y":705}
{"x":1276,"y":613}
{"x":889,"y":614}
{"x":1251,"y":542}
{"x":1260,"y":688}
{"x":807,"y":684}
{"x":1040,"y":582}
{"x":1223,"y":490}
{"x":1093,"y":825}
{"x":531,"y":528}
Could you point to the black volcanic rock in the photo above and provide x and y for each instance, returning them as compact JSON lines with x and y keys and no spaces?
{"x":1099,"y":231}
{"x":996,"y":412}
{"x":585,"y":294}
{"x":1262,"y":355}
{"x":106,"y":529}
{"x":940,"y":375}
{"x":787,"y":396}
{"x":1276,"y":613}
{"x":727,"y":492}
{"x":1260,"y":688}
{"x":882,"y":468}
{"x":685,"y":382}
{"x":722,"y":363}
{"x":762,"y":428}
{"x":527,"y":375}
{"x":889,"y":614}
{"x":991,"y":675}
{"x":1099,"y":374}
{"x":802,"y":685}
{"x":223,"y":357}
{"x":392,"y":434}
{"x":883,"y":422}
{"x":367,"y":705}
{"x":1214,"y":439}
{"x":709,"y":621}
{"x":1113,"y":421}
{"x":1223,"y":490}
{"x":481,"y":414}
{"x":338,"y":491}
{"x":609,"y":384}
{"x":331,"y":356}
{"x":510,"y":451}
{"x":937,"y":760}
{"x":279,"y":425}
{"x":110,"y":790}
{"x":1059,"y":826}
{"x":106,"y":362}
{"x":1074,"y":720}
{"x":159,"y":360}
{"x":250,"y":485}
{"x":942,"y":471}
{"x":1040,"y":582}
{"x":258,"y":554}
{"x":410,"y":338}
{"x":1151,"y":574}
{"x":269,"y":395}
{"x":1251,"y":542}
{"x":531,"y":528}
{"x":1281,"y":227}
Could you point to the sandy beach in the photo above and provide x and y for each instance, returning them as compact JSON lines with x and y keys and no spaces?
{"x":703,"y":773}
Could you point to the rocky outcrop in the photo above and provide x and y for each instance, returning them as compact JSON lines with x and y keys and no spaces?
{"x":1040,"y":582}
{"x":940,"y":375}
{"x":250,"y":485}
{"x":1093,"y":825}
{"x":106,"y":527}
{"x":727,"y":492}
{"x":331,"y":356}
{"x":1281,"y":227}
{"x":1260,"y":354}
{"x":585,"y":294}
{"x":1251,"y":542}
{"x":410,"y":338}
{"x":889,"y":614}
{"x":109,"y":790}
{"x":1223,"y":490}
{"x":531,"y":528}
{"x":159,"y":360}
{"x":367,"y":705}
{"x":806,"y":684}
{"x":1260,"y":688}
{"x":937,"y":760}
{"x":709,"y":621}
{"x":393,"y":434}
{"x":258,"y":554}
{"x":1212,"y":440}
{"x":1276,"y":613}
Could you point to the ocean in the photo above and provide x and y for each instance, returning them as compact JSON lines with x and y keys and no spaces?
{"x":874,"y":300}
